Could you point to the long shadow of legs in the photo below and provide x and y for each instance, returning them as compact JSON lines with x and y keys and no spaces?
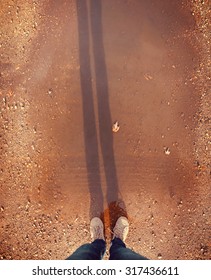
{"x":90,"y":133}
{"x":115,"y":204}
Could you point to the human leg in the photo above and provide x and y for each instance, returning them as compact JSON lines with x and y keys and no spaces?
{"x":118,"y":250}
{"x":94,"y":250}
{"x":90,"y":251}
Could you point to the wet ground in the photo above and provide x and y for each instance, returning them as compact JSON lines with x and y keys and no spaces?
{"x":68,"y":71}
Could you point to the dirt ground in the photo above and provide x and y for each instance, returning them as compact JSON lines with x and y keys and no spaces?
{"x":68,"y":71}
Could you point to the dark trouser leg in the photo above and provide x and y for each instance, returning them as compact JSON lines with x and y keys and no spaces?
{"x":118,"y":251}
{"x":91,"y":251}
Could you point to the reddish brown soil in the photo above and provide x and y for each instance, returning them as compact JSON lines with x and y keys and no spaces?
{"x":69,"y":70}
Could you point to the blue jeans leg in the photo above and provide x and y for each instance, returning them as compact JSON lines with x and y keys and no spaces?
{"x":90,"y":251}
{"x":118,"y":251}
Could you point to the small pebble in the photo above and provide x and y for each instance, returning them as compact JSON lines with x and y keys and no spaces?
{"x":167,"y":151}
{"x":159,"y":256}
{"x":115,"y":127}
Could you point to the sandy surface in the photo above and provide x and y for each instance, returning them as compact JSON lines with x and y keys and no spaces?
{"x":68,"y":71}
